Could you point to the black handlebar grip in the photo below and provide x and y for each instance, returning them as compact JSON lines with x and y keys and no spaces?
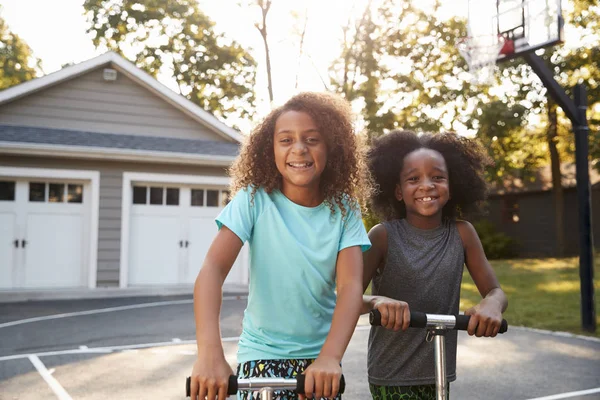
{"x":301,"y":379}
{"x":417,"y":319}
{"x":503,"y":326}
{"x":375,"y":317}
{"x":232,"y":386}
{"x":462,"y":322}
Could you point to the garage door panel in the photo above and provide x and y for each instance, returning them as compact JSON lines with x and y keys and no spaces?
{"x":202,"y":231}
{"x":8,"y":234}
{"x":154,"y":250}
{"x":54,"y":250}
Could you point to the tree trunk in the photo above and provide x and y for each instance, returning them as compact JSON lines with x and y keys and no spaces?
{"x":264,"y":7}
{"x":301,"y":50}
{"x":557,"y":188}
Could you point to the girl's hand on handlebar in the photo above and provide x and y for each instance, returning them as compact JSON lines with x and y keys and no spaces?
{"x":395,"y":314}
{"x":210,"y":377}
{"x":486,"y":318}
{"x":322,"y":378}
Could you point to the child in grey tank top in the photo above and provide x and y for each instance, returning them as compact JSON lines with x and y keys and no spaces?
{"x":416,"y":260}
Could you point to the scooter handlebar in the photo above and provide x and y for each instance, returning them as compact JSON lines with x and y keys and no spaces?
{"x":421,"y":320}
{"x":244,"y":384}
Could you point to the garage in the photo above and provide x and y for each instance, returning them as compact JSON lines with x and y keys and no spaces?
{"x":171,"y":226}
{"x":45,"y":226}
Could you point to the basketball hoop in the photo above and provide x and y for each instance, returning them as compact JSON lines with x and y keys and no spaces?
{"x":481,"y":53}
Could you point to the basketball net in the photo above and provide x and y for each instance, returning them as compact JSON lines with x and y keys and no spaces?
{"x":481,"y":53}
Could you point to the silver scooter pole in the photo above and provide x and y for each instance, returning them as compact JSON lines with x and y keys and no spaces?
{"x":437,"y":325}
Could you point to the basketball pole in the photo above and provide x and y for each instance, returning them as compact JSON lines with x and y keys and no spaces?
{"x":576,"y":111}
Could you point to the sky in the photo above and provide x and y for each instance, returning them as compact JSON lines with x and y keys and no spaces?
{"x":56,"y":31}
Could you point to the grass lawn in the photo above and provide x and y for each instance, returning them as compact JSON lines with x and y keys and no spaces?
{"x":542,"y":293}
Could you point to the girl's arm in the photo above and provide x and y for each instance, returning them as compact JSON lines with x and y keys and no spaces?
{"x":211,"y":371}
{"x":323,"y":376}
{"x":395,"y":314}
{"x":486,"y":316}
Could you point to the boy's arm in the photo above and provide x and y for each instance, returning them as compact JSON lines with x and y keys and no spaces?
{"x":323,"y":376}
{"x":211,"y":371}
{"x":395,"y":314}
{"x":373,"y":259}
{"x":487,"y":315}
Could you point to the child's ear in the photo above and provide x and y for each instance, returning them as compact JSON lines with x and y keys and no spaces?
{"x":398,"y":192}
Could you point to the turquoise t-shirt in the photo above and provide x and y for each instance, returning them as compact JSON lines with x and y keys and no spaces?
{"x":293,"y":252}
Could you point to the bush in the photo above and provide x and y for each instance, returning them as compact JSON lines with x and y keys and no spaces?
{"x":369,"y":220}
{"x":496,"y":245}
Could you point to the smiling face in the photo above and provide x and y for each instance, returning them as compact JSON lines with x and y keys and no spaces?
{"x":424,"y":187}
{"x":300,"y":155}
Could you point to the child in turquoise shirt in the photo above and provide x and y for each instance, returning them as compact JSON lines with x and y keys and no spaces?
{"x":293,"y":186}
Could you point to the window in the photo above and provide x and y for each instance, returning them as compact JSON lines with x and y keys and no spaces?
{"x":7,"y":190}
{"x":197,"y":197}
{"x":156,"y":195}
{"x":212,"y":198}
{"x":139,"y":195}
{"x":172,"y":196}
{"x":75,"y":193}
{"x":56,"y":193}
{"x":37,"y":192}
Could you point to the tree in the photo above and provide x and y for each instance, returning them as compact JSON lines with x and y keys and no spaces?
{"x":401,"y":67}
{"x":17,"y":62}
{"x":301,"y":32}
{"x":212,"y":71}
{"x":265,"y":6}
{"x":570,"y":66}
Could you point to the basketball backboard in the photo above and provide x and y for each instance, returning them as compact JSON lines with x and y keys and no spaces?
{"x":524,"y":25}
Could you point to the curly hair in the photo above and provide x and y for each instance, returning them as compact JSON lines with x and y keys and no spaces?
{"x":345,"y":175}
{"x":465,"y":159}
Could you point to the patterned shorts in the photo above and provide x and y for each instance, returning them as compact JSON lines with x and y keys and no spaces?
{"x":417,"y":392}
{"x":272,"y":368}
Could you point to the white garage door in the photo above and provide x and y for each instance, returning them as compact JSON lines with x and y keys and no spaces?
{"x":42,"y":233}
{"x":171,"y":229}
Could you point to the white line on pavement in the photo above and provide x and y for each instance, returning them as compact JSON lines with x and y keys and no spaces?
{"x":107,"y":310}
{"x":570,"y":394}
{"x":108,"y":349}
{"x":58,"y":390}
{"x":129,"y":347}
{"x":54,"y":353}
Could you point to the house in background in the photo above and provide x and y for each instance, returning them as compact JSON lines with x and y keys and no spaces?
{"x":109,"y":184}
{"x":524,"y":210}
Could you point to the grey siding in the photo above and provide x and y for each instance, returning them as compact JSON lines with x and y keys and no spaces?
{"x":89,"y":103}
{"x":535,"y":231}
{"x":110,"y":209}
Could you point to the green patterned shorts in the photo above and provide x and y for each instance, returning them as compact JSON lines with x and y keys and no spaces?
{"x":273,"y":368}
{"x":417,"y":392}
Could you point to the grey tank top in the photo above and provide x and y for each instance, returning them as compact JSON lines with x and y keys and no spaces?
{"x":423,"y":268}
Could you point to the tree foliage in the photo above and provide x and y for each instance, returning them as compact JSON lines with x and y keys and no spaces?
{"x":160,"y":36}
{"x":17,"y":62}
{"x":400,"y":65}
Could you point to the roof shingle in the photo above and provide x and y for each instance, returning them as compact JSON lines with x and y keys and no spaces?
{"x":63,"y":137}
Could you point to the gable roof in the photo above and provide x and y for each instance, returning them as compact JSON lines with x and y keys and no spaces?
{"x":135,"y":74}
{"x":68,"y":143}
{"x":542,"y":180}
